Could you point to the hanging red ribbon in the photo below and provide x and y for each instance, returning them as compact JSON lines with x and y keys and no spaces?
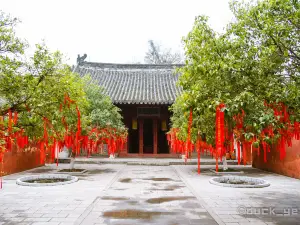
{"x":220,"y":138}
{"x":188,"y":141}
{"x":10,"y":121}
{"x":239,"y":152}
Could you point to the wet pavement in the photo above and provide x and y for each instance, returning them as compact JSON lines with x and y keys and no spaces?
{"x":149,"y":195}
{"x":277,"y":204}
{"x":143,"y":194}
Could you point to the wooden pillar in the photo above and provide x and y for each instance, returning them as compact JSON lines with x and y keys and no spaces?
{"x":154,"y":136}
{"x":125,"y":150}
{"x":127,"y":144}
{"x":141,"y":136}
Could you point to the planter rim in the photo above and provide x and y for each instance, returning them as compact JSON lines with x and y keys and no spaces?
{"x":70,"y":179}
{"x":260,"y":183}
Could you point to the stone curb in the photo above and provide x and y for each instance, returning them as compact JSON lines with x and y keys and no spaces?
{"x":148,"y":164}
{"x":72,"y":173}
{"x":99,"y":162}
{"x":202,"y":163}
{"x":22,"y":181}
{"x":151,"y":163}
{"x":225,"y":173}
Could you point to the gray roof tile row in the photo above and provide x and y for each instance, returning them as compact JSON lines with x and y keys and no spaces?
{"x":134,"y":83}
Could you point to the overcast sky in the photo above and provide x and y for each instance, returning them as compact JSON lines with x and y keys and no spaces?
{"x":115,"y":31}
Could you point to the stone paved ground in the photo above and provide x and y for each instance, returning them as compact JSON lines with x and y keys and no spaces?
{"x":52,"y":205}
{"x":233,"y":206}
{"x":122,"y":194}
{"x":147,"y":195}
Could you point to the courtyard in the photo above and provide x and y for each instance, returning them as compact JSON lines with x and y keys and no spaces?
{"x":146,"y":194}
{"x":139,"y":116}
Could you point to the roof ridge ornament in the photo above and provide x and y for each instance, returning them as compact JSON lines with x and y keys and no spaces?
{"x":80,"y":59}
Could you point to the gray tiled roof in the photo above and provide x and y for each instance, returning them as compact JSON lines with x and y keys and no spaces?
{"x":134,"y":83}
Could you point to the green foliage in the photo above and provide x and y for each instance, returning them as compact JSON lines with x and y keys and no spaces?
{"x":36,"y":89}
{"x":101,"y":112}
{"x":257,"y":59}
{"x":9,"y":43}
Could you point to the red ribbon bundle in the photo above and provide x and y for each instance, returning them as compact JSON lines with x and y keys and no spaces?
{"x":220,"y":136}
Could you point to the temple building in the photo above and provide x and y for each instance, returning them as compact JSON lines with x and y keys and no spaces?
{"x":144,"y":93}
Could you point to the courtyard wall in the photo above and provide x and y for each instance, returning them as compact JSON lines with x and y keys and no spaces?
{"x":20,"y":160}
{"x":290,"y":166}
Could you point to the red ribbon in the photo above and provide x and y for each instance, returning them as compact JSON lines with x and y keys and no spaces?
{"x":220,"y":131}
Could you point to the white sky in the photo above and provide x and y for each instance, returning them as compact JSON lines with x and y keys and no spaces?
{"x":115,"y":31}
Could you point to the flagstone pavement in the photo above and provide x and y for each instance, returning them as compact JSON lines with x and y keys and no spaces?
{"x":127,"y":194}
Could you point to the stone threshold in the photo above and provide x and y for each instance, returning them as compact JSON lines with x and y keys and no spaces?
{"x":78,"y":161}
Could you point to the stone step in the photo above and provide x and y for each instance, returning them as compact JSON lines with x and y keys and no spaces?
{"x":149,"y":163}
{"x":154,"y":162}
{"x":229,"y":162}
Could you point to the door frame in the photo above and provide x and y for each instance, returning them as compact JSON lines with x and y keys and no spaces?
{"x":141,"y":134}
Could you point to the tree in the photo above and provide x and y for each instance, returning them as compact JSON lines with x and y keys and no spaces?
{"x":43,"y":100}
{"x":252,"y":68}
{"x":156,"y":55}
{"x":101,"y":111}
{"x":10,"y":45}
{"x":37,"y":91}
{"x":34,"y":89}
{"x":101,"y":120}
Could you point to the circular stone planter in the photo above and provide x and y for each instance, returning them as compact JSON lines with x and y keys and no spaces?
{"x":239,"y":182}
{"x":28,"y":180}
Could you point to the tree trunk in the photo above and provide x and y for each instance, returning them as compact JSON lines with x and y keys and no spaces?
{"x":225,"y":164}
{"x":72,"y":163}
